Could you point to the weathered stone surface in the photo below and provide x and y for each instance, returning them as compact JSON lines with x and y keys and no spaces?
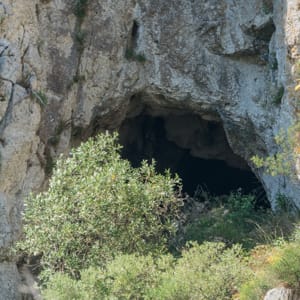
{"x":8,"y":278}
{"x":222,"y":60}
{"x":282,"y":293}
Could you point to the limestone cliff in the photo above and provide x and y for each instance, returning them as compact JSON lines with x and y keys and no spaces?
{"x":70,"y":68}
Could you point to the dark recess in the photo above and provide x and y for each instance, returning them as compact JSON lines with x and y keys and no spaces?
{"x":134,"y":34}
{"x":144,"y":137}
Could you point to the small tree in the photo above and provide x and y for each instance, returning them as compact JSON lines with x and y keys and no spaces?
{"x":97,"y":206}
{"x":284,"y":161}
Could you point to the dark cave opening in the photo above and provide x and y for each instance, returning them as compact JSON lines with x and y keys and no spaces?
{"x":195,"y":149}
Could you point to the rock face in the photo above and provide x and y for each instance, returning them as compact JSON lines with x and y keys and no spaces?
{"x":282,"y":293}
{"x":71,"y":68}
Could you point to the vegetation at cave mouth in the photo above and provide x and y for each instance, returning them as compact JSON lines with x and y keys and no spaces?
{"x":107,"y":230}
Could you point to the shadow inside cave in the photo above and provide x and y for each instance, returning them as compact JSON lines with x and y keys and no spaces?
{"x":195,"y":149}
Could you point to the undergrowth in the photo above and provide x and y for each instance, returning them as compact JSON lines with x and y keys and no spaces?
{"x":105,"y":230}
{"x":236,"y":219}
{"x":202,"y":272}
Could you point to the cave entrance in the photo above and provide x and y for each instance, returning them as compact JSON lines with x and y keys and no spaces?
{"x":196,"y":149}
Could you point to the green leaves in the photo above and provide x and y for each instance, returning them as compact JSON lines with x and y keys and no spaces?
{"x":40,"y":97}
{"x":208,"y":271}
{"x":231,"y":219}
{"x":284,"y":161}
{"x":287,"y":267}
{"x":98,"y":206}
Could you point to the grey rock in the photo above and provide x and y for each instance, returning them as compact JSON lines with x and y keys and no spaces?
{"x":282,"y":293}
{"x":9,"y":281}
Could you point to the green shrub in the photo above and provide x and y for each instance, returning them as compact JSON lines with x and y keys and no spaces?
{"x":208,"y":271}
{"x":296,"y":234}
{"x":274,"y":226}
{"x":59,"y":129}
{"x":97,"y":206}
{"x":63,"y":287}
{"x":283,"y":162}
{"x":40,"y":97}
{"x":131,"y":277}
{"x":126,"y":277}
{"x":231,"y":220}
{"x":255,"y":289}
{"x":287,"y":268}
{"x":278,"y":264}
{"x":235,"y":219}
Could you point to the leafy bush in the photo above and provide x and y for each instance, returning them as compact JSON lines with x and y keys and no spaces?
{"x":207,"y":271}
{"x":40,"y":97}
{"x":283,"y":162}
{"x":97,"y":206}
{"x":274,"y":226}
{"x":287,"y":267}
{"x":235,"y":219}
{"x":260,"y":259}
{"x":126,"y":277}
{"x":231,"y":220}
{"x":275,"y":265}
{"x":255,"y":289}
{"x":63,"y":287}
